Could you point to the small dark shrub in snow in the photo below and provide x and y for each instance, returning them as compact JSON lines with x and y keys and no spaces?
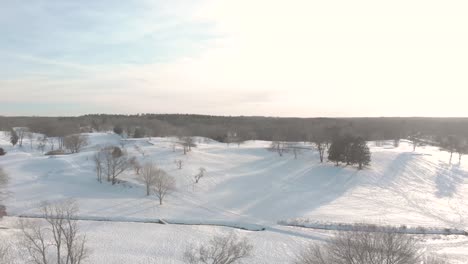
{"x":2,"y":152}
{"x":55,"y":152}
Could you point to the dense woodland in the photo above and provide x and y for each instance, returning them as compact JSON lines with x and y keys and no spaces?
{"x":262,"y":128}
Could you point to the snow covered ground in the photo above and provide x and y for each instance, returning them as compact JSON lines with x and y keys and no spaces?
{"x":246,"y":185}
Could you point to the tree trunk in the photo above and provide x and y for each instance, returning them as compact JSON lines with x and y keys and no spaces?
{"x":451,"y":154}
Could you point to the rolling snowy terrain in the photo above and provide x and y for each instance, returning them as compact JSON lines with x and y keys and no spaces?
{"x":246,"y":186}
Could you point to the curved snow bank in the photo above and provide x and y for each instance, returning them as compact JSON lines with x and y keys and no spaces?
{"x":238,"y":225}
{"x":419,"y":230}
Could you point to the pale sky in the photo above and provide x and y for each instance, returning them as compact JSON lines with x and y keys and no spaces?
{"x":302,"y":58}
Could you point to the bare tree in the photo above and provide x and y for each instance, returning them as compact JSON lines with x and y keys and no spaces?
{"x":149,"y":173}
{"x":75,"y":142}
{"x":179,"y":163}
{"x":462,"y":149}
{"x":21,"y":132}
{"x":279,"y":147}
{"x":59,"y":241}
{"x":363,"y":247}
{"x":415,"y":140}
{"x":136,"y":165}
{"x":116,"y":161}
{"x":228,"y":249}
{"x":52,"y":143}
{"x":99,"y":159}
{"x":42,"y":142}
{"x":187,"y":143}
{"x":164,"y":184}
{"x":321,"y":145}
{"x":200,"y":174}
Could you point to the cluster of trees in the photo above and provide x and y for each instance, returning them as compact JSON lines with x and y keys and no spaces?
{"x":454,"y":144}
{"x":349,"y":150}
{"x":71,"y":142}
{"x":111,"y":162}
{"x":157,"y":181}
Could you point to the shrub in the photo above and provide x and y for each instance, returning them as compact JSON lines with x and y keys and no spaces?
{"x":55,"y":152}
{"x":2,"y":152}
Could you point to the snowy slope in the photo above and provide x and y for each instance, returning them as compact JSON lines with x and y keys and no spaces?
{"x":250,"y":184}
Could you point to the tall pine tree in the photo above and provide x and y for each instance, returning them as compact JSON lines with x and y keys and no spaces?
{"x":360,"y":153}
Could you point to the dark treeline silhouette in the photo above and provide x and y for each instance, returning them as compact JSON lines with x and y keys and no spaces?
{"x":263,"y":128}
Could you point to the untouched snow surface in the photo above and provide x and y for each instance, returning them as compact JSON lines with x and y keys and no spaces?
{"x":243,"y":185}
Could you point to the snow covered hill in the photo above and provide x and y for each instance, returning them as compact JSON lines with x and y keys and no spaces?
{"x":250,"y":184}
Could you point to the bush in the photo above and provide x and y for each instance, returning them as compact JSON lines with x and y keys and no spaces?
{"x":2,"y":152}
{"x":55,"y":152}
{"x":228,"y":249}
{"x":366,"y":247}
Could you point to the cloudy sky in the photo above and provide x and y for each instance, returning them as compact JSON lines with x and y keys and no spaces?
{"x":302,"y":58}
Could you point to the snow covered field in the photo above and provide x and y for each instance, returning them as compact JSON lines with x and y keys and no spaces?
{"x":246,"y":185}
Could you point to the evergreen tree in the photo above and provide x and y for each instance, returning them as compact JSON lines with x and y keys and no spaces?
{"x":347,"y":142}
{"x":118,"y":130}
{"x":360,"y":153}
{"x":139,"y":132}
{"x":336,"y":151}
{"x":13,"y":137}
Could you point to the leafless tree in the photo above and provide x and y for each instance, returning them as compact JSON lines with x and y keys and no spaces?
{"x":75,"y":142}
{"x":164,"y":184}
{"x":187,"y":143}
{"x":42,"y":142}
{"x":279,"y":147}
{"x":149,"y":174}
{"x":321,"y":146}
{"x":59,"y":241}
{"x":294,"y":148}
{"x":136,"y":165}
{"x":99,"y":159}
{"x":200,"y":174}
{"x":462,"y":149}
{"x":52,"y":143}
{"x":415,"y":140}
{"x":179,"y":163}
{"x":363,"y":247}
{"x":116,"y":161}
{"x":21,"y":132}
{"x":228,"y":249}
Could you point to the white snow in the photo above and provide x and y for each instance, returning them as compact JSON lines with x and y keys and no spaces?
{"x":246,"y":186}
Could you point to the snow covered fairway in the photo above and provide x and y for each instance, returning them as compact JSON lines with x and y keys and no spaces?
{"x":248,"y":185}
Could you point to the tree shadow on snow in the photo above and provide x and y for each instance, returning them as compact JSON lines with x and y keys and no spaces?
{"x":448,"y":178}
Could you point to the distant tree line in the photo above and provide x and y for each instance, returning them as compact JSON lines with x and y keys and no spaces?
{"x":234,"y":128}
